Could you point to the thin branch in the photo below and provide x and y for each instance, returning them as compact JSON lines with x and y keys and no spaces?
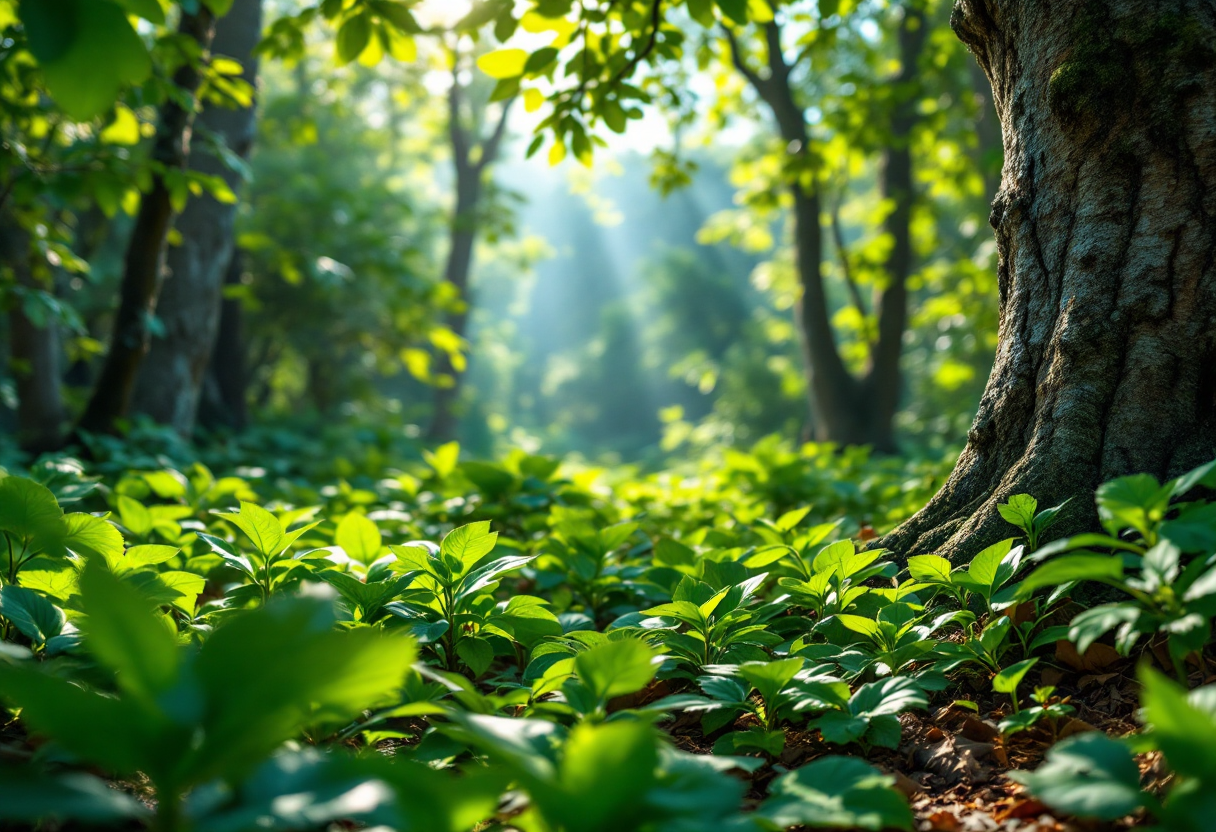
{"x":656,"y":23}
{"x":491,"y":145}
{"x":459,"y":137}
{"x":736,"y":57}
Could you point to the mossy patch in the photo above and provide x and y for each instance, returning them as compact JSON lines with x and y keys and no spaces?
{"x":1151,"y":65}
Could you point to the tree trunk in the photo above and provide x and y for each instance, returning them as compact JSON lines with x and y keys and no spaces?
{"x":883,"y":383}
{"x":459,"y":266}
{"x":224,"y":396}
{"x":471,"y":164}
{"x":144,"y":262}
{"x":844,"y":408}
{"x":34,"y":351}
{"x":1106,"y":228}
{"x":171,"y":377}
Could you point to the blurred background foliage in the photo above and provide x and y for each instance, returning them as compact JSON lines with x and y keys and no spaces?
{"x":628,"y":310}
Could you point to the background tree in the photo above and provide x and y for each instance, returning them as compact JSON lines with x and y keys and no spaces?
{"x":142,"y":275}
{"x":475,"y":136}
{"x":171,"y":377}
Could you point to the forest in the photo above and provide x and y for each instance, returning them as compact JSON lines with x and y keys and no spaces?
{"x":607,"y":415}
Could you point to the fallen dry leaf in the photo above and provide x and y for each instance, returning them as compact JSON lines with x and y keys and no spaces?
{"x":1096,"y":659}
{"x":957,"y":759}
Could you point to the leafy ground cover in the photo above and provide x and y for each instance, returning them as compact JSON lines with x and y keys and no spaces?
{"x":537,"y":645}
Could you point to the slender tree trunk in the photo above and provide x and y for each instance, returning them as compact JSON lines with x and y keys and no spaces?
{"x":171,"y":377}
{"x":459,"y":267}
{"x":471,"y":164}
{"x":845,"y":408}
{"x":34,"y":351}
{"x":224,"y":397}
{"x":1106,"y":227}
{"x":883,"y":382}
{"x":145,"y":255}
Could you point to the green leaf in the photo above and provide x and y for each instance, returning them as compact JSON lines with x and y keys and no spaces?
{"x":359,"y":537}
{"x":684,"y":611}
{"x":443,"y":459}
{"x":932,"y":569}
{"x":477,"y":653}
{"x":770,"y":678}
{"x":603,"y":771}
{"x":87,"y":51}
{"x":616,"y":668}
{"x":985,"y":567}
{"x":469,"y":544}
{"x":268,"y":673}
{"x":30,"y":512}
{"x":123,"y":632}
{"x":888,"y":697}
{"x":26,"y":795}
{"x":91,"y":536}
{"x":134,"y":515}
{"x":835,"y":792}
{"x":1079,"y":567}
{"x":1135,"y":502}
{"x":138,"y":557}
{"x":37,"y":618}
{"x":503,"y":63}
{"x":261,"y":527}
{"x":1019,"y":511}
{"x":1090,"y":775}
{"x":736,"y":10}
{"x":1007,"y":680}
{"x":353,"y":37}
{"x":771,"y":743}
{"x":115,"y":733}
{"x":149,"y":10}
{"x":1186,"y":734}
{"x":482,"y":577}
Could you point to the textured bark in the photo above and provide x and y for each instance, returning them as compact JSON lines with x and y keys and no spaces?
{"x":223,"y":401}
{"x":33,"y":350}
{"x":171,"y":376}
{"x":471,"y":158}
{"x":1106,"y":227}
{"x":143,"y":266}
{"x":848,"y":409}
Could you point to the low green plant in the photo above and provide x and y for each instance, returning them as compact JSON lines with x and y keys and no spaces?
{"x":184,"y":716}
{"x":270,"y":567}
{"x":720,"y":623}
{"x":450,"y":604}
{"x":728,"y":690}
{"x":834,"y":581}
{"x":1022,"y":511}
{"x":868,"y":717}
{"x":1095,"y":776}
{"x":1047,"y":708}
{"x":1165,"y":596}
{"x":605,"y":777}
{"x":835,"y":793}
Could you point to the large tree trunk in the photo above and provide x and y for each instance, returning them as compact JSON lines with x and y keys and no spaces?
{"x":142,"y":269}
{"x":1106,"y":227}
{"x":171,"y":377}
{"x":34,"y":351}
